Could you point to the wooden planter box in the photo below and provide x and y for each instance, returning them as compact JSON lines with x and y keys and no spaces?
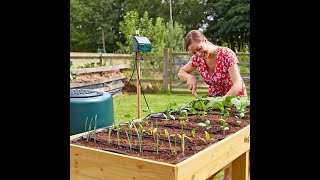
{"x":91,"y":164}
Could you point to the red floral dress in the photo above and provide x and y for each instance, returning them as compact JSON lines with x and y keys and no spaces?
{"x":219,"y":82}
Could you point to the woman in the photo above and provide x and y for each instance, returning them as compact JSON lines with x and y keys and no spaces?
{"x":217,"y":65}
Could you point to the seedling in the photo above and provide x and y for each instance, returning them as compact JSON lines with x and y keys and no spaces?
{"x":171,"y":116}
{"x":206,"y":124}
{"x":175,"y":144}
{"x":131,"y":118}
{"x":85,"y":125}
{"x":182,"y":142}
{"x":238,"y":120}
{"x":129,"y":140}
{"x":207,"y":135}
{"x":109,"y":134}
{"x":151,"y":130}
{"x":166,"y":134}
{"x":156,"y":135}
{"x":184,"y":118}
{"x":117,"y":126}
{"x":193,"y":132}
{"x":89,"y":129}
{"x":224,"y":126}
{"x":203,"y":114}
{"x":182,"y":137}
{"x":95,"y":127}
{"x":140,"y":135}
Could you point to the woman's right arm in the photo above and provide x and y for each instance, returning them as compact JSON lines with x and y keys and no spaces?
{"x":185,"y":75}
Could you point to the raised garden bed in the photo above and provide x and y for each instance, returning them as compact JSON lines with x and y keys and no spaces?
{"x":194,"y":141}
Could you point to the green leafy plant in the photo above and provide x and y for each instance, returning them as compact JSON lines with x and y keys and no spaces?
{"x":169,"y":110}
{"x":240,"y":103}
{"x":219,"y":103}
{"x":148,"y":110}
{"x":203,"y":114}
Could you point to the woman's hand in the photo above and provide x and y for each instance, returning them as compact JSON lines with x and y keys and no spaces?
{"x":185,"y":75}
{"x":192,"y":84}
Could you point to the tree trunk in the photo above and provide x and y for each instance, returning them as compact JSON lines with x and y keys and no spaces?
{"x":232,"y":45}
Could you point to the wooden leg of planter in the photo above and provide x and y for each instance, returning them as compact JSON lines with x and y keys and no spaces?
{"x":240,"y":167}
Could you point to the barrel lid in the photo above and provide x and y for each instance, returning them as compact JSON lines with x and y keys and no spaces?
{"x":84,"y":93}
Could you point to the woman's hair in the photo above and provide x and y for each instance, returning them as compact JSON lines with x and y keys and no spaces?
{"x":193,"y":36}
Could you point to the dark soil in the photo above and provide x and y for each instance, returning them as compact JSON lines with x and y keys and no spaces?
{"x":166,"y":154}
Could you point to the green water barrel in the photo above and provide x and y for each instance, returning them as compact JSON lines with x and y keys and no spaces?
{"x":87,"y":105}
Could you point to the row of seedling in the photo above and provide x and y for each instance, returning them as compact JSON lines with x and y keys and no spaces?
{"x":137,"y":129}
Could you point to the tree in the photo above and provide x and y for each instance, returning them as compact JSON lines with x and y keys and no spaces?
{"x":87,"y":21}
{"x":156,"y":32}
{"x":229,"y":21}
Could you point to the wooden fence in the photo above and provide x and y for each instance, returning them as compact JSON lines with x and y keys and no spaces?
{"x":118,"y":67}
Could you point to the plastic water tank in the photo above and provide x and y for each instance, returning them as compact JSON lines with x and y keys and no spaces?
{"x":87,"y":105}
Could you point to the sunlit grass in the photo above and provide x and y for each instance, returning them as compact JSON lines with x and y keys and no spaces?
{"x":128,"y":103}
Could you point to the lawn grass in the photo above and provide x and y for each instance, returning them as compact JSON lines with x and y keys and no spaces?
{"x":128,"y":103}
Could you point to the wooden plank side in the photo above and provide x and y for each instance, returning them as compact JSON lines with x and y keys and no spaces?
{"x":74,"y":84}
{"x":99,"y":69}
{"x":97,"y":164}
{"x":76,"y":176}
{"x":211,"y":160}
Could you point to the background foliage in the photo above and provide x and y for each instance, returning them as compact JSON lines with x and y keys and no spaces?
{"x":225,"y":22}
